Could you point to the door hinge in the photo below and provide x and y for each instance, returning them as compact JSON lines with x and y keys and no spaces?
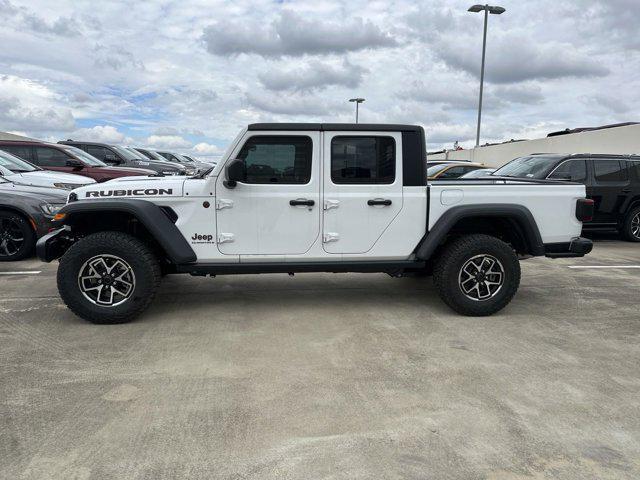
{"x":226,"y":237}
{"x":330,"y":237}
{"x":329,"y":204}
{"x":223,"y":203}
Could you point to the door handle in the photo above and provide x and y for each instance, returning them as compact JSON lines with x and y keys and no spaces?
{"x":379,"y":201}
{"x":302,"y":201}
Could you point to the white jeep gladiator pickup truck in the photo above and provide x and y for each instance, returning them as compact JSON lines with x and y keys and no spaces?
{"x":311,"y":198}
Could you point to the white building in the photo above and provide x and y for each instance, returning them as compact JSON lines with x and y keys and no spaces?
{"x":619,"y":139}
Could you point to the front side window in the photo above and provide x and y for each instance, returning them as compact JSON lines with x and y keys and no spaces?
{"x":574,"y":170}
{"x":51,"y":157}
{"x":607,"y":171}
{"x":97,"y":151}
{"x":278,"y":159}
{"x":363,"y":159}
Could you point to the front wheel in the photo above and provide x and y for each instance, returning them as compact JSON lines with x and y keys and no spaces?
{"x":108,"y":277}
{"x":477,"y":275}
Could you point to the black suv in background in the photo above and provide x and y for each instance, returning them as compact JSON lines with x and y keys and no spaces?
{"x":612,"y":181}
{"x":116,"y":155}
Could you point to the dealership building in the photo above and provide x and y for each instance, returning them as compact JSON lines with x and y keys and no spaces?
{"x":621,"y":138}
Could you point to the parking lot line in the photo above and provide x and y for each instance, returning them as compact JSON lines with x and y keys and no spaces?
{"x":34,"y":272}
{"x":604,"y":266}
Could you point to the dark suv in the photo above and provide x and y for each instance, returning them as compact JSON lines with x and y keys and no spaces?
{"x":120,"y":156}
{"x":612,"y":181}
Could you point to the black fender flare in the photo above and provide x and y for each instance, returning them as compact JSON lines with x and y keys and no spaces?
{"x":150,"y":215}
{"x":445,"y":223}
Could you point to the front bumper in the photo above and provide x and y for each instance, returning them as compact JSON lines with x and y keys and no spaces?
{"x":577,"y":247}
{"x":53,"y":245}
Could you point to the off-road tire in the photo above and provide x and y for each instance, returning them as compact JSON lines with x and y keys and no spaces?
{"x":629,"y":225}
{"x":28,"y":244}
{"x":139,"y":257}
{"x":453,"y":258}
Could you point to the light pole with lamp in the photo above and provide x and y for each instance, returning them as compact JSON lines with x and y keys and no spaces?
{"x":357,"y":101}
{"x":487,"y":9}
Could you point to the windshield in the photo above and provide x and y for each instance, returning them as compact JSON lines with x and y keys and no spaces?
{"x":157,"y":156}
{"x":128,"y":154}
{"x":15,"y":164}
{"x":84,"y":156}
{"x":537,"y":166}
{"x":431,"y":171}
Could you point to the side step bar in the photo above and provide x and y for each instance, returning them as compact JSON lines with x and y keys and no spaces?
{"x":297,"y":267}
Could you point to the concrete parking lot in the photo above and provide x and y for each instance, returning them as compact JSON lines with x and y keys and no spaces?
{"x":327,"y":376}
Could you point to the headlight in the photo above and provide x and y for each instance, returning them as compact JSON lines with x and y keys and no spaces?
{"x":50,"y":209}
{"x":191,"y":171}
{"x":170,"y":172}
{"x":68,"y":186}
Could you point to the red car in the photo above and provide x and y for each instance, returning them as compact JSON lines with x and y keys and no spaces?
{"x":65,"y":158}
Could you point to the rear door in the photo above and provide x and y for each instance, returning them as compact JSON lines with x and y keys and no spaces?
{"x":610,"y":189}
{"x":276,"y":209}
{"x":362,"y":188}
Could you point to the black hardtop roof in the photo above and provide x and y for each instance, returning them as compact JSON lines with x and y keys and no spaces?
{"x":343,"y":127}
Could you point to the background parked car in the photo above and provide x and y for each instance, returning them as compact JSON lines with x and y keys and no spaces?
{"x":25,"y":215}
{"x":445,"y":171}
{"x":150,"y":154}
{"x":63,"y":158}
{"x":612,"y":181}
{"x":181,"y":159}
{"x":20,"y":171}
{"x":479,"y":173}
{"x":121,"y":157}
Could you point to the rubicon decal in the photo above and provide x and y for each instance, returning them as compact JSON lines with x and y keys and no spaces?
{"x":138,"y":192}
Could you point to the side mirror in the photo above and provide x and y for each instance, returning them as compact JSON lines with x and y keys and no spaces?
{"x":235,"y":171}
{"x":75,"y":164}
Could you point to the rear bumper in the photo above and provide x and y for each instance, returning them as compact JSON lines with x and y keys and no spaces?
{"x":578,"y":247}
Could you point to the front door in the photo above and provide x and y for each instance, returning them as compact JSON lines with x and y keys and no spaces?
{"x":275,"y":210}
{"x":362,"y":189}
{"x":610,"y":189}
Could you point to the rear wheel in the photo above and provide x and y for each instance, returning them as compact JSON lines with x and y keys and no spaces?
{"x":477,"y":275}
{"x":17,"y":238}
{"x":108,"y":277}
{"x":631,"y":226}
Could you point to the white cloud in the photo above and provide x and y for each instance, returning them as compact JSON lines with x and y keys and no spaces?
{"x":167,"y":141}
{"x":100,"y":133}
{"x":207,"y":149}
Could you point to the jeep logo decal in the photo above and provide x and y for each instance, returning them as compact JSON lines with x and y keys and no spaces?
{"x":197,"y":238}
{"x":139,"y":192}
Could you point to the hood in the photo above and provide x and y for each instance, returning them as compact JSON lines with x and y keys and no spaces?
{"x":139,"y":171}
{"x":133,"y":187}
{"x":57,"y":177}
{"x":50,"y":195}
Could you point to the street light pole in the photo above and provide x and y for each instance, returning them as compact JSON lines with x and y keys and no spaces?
{"x":357,"y":101}
{"x":487,"y":10}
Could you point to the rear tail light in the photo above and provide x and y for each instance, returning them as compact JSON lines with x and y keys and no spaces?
{"x":584,"y":209}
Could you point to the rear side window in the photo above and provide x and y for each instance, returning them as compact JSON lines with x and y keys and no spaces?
{"x":278,"y":159}
{"x":51,"y":157}
{"x":574,"y":170}
{"x":634,"y":166}
{"x":610,"y":171}
{"x":363,"y":159}
{"x":21,"y":151}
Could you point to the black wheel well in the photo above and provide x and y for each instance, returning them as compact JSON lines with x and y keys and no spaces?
{"x":4,"y":208}
{"x":86,"y":223}
{"x":507,"y":229}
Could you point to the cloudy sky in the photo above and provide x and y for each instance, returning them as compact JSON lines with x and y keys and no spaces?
{"x":188,"y":75}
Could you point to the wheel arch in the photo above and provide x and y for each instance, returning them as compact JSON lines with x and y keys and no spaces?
{"x":22,"y":213}
{"x":145,"y":220}
{"x":512,"y":223}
